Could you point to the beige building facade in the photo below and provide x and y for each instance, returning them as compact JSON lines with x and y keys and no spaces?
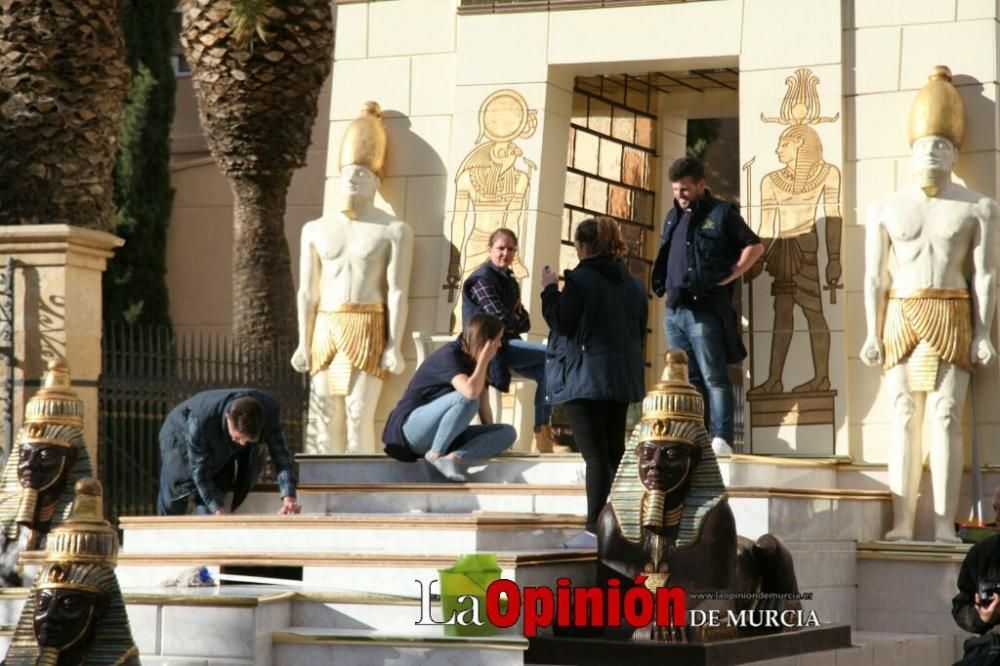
{"x":535,"y":115}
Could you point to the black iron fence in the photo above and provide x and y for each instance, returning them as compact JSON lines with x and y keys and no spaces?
{"x":146,"y":372}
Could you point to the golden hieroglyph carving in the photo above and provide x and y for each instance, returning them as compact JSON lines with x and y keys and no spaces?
{"x":791,"y":198}
{"x":491,"y":187}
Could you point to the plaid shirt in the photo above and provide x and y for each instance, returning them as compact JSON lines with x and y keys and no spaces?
{"x":488,"y":299}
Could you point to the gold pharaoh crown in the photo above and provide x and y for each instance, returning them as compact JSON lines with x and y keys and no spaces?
{"x":673,"y":397}
{"x":85,"y":538}
{"x":56,"y":403}
{"x":938,"y":109}
{"x":365,"y":140}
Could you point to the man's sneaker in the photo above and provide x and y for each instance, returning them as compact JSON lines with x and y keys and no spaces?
{"x":582,"y":541}
{"x":721,"y":448}
{"x":450,"y":468}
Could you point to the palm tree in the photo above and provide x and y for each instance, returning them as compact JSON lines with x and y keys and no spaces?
{"x":258,"y":67}
{"x":63,"y":80}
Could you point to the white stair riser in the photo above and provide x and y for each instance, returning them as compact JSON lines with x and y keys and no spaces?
{"x":562,"y":470}
{"x":372,"y":539}
{"x":806,"y":518}
{"x":907,"y":596}
{"x":438,"y":501}
{"x":401,"y":580}
{"x":172,"y":632}
{"x":370,"y":655}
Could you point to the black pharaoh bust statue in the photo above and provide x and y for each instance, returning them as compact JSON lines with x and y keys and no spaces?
{"x":668,"y":518}
{"x":75,"y":614}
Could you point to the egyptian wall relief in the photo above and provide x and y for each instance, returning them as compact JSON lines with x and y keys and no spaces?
{"x":800,"y":224}
{"x":491,"y":186}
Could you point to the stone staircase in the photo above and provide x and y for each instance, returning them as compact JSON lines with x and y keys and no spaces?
{"x":373,"y":527}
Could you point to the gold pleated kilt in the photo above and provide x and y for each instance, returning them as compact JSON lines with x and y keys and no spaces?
{"x":924,"y":327}
{"x":352,"y":337}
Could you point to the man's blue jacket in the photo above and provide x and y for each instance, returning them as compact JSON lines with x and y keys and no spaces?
{"x":195,"y":445}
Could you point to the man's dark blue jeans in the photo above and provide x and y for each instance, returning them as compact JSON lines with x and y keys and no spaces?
{"x":701,"y":334}
{"x":225,"y":481}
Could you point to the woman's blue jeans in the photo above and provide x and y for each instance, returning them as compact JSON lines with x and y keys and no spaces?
{"x":527,"y":359}
{"x":442,"y":426}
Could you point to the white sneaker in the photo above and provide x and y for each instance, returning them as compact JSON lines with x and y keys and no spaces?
{"x":721,"y":448}
{"x":582,"y":541}
{"x":450,"y":468}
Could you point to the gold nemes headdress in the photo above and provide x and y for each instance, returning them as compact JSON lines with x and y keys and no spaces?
{"x":938,"y":109}
{"x":365,"y":141}
{"x":672,"y":412}
{"x":56,"y":403}
{"x":81,"y":555}
{"x":86,"y":537}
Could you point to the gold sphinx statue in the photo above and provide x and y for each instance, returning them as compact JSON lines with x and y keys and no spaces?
{"x":75,"y":613}
{"x":668,"y":517}
{"x":50,"y":455}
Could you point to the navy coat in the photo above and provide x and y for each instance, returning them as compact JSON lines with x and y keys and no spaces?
{"x":195,"y":446}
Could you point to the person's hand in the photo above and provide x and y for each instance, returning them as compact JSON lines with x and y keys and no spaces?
{"x":289,"y":506}
{"x":220,"y":511}
{"x":300,"y":359}
{"x":871,"y":351}
{"x":988,"y":614}
{"x":732,"y":276}
{"x":490,"y":349}
{"x":518,"y":307}
{"x":983,"y":352}
{"x":392,"y":360}
{"x":549,"y":277}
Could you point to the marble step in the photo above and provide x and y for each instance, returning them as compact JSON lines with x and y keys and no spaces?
{"x":551,"y":468}
{"x":908,"y":586}
{"x":876,"y":477}
{"x":386,"y":573}
{"x":880,"y":649}
{"x":426,"y":497}
{"x":790,"y":513}
{"x":357,"y":533}
{"x":505,"y":468}
{"x":302,"y":646}
{"x":157,"y":660}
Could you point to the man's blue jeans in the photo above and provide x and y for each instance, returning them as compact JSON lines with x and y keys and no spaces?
{"x":527,"y":359}
{"x":442,"y":426}
{"x":224,"y":480}
{"x":701,"y":334}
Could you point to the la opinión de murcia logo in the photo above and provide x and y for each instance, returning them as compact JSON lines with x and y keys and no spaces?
{"x":593,"y":606}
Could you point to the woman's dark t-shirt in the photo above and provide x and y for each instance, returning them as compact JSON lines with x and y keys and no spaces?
{"x":431,"y":381}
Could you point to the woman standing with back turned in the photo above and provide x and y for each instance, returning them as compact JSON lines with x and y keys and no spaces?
{"x":595,"y":363}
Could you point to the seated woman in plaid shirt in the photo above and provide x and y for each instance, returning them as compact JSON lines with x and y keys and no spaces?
{"x":492,"y":289}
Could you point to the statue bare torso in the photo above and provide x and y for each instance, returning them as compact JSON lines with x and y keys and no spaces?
{"x":353,"y":257}
{"x":932,"y":237}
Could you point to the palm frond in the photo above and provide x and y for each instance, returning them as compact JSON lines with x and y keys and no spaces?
{"x":249,"y":17}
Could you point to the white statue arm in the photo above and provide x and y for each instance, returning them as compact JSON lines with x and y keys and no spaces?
{"x":398,"y":281}
{"x":984,"y":279}
{"x":307,"y":298}
{"x":876,"y":257}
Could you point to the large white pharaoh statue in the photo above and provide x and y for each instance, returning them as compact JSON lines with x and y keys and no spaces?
{"x":353,"y":280}
{"x":929,"y":323}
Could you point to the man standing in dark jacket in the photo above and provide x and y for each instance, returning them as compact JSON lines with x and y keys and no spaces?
{"x":213,"y":443}
{"x":706,"y":246}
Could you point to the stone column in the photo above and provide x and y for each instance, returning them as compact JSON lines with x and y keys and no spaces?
{"x":58,"y":310}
